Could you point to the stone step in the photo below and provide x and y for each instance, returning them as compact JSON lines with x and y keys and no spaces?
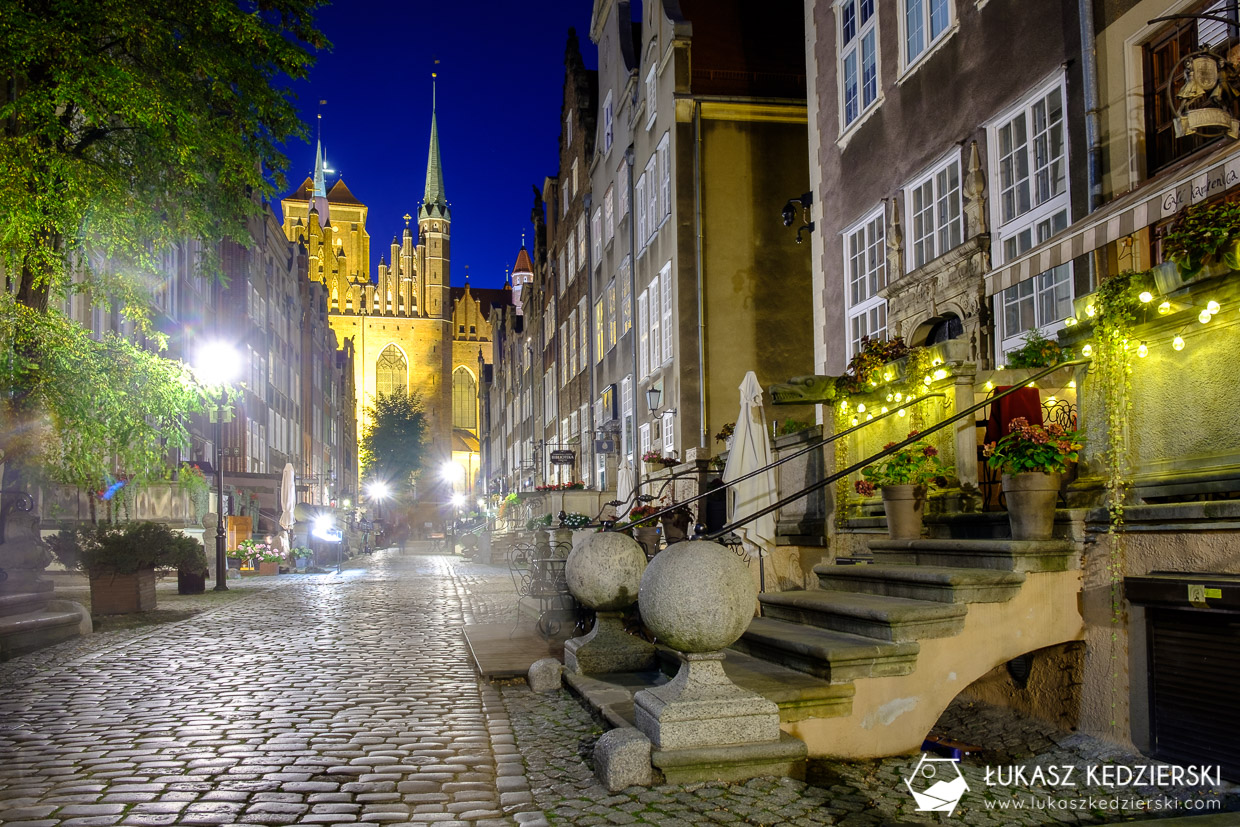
{"x":1001,"y":555}
{"x":22,"y":603}
{"x":870,"y":615}
{"x":943,"y":584}
{"x":833,"y":656}
{"x":26,"y":632}
{"x":798,"y":695}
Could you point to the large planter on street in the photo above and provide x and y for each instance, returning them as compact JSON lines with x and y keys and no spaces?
{"x":904,"y":505}
{"x":116,"y":594}
{"x":265,"y":568}
{"x":190,"y":581}
{"x":1031,"y":497}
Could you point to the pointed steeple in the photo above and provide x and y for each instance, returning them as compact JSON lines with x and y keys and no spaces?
{"x":434,"y":196}
{"x":320,"y":183}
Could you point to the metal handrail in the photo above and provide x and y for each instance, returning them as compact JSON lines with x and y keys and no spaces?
{"x":812,"y":447}
{"x":891,"y":449}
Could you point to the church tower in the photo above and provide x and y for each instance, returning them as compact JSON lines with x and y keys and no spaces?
{"x":434,"y":222}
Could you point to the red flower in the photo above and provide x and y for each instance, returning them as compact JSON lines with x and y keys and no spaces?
{"x":864,"y":488}
{"x":930,"y":451}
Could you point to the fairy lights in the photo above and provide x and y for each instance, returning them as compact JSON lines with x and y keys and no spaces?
{"x":1178,"y":343}
{"x":1143,"y":350}
{"x":1164,"y":308}
{"x":1146,"y":297}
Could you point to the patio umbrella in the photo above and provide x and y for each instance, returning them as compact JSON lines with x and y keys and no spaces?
{"x":288,"y":498}
{"x":624,"y":488}
{"x":751,"y":450}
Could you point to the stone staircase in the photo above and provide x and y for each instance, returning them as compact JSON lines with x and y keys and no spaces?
{"x":30,"y":620}
{"x":911,"y":627}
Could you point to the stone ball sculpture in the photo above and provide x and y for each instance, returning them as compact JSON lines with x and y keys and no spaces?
{"x":604,"y":571}
{"x":697,"y":596}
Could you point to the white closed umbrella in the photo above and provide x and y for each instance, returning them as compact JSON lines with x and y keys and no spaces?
{"x":288,"y":500}
{"x":624,"y":488}
{"x":751,"y":450}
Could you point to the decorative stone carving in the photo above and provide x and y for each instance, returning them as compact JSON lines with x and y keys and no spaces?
{"x":895,"y":243}
{"x":605,"y":572}
{"x":23,"y":555}
{"x":975,"y":193}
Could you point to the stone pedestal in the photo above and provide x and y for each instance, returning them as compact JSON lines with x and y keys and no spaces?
{"x":608,"y":648}
{"x":701,"y":707}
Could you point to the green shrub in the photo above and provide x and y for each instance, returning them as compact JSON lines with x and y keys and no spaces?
{"x":125,"y":548}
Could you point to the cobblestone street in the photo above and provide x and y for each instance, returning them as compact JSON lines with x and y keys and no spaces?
{"x":350,"y":699}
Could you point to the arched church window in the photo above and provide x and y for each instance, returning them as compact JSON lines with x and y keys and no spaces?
{"x":391,"y":371}
{"x":464,"y":400}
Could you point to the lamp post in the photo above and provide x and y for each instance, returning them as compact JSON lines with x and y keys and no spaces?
{"x":377,"y":491}
{"x":217,"y":364}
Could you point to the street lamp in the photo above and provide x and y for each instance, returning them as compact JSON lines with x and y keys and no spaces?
{"x":377,"y":491}
{"x":217,"y":365}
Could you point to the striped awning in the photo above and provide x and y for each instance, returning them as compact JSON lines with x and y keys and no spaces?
{"x":1155,"y":200}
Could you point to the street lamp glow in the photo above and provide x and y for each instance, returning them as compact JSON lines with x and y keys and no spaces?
{"x":216,"y":363}
{"x":458,"y":500}
{"x":452,"y":471}
{"x":378,"y":490}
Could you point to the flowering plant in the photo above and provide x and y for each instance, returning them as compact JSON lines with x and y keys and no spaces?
{"x":652,"y":456}
{"x":575,"y":520}
{"x":725,"y":433}
{"x":916,"y":464}
{"x":256,"y":550}
{"x":638,"y":512}
{"x":561,"y":486}
{"x":1048,"y":448}
{"x":534,"y":523}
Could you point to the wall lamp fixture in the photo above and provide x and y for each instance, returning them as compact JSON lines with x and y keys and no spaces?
{"x":789,"y":213}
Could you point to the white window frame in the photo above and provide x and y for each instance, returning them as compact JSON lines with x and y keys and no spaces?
{"x":854,"y":49}
{"x":644,"y":438}
{"x":612,"y":338}
{"x":570,"y":247}
{"x":938,"y":199}
{"x":639,"y":202}
{"x":669,"y":433}
{"x":608,"y":124}
{"x":609,"y":214}
{"x":656,"y":316}
{"x":925,"y":8}
{"x":626,"y":415}
{"x":665,"y":276}
{"x":865,"y":268}
{"x":596,"y":236}
{"x":599,"y":349}
{"x":583,"y":310}
{"x":626,"y":295}
{"x":652,"y":91}
{"x":652,"y":199}
{"x":665,"y":176}
{"x":622,"y":195}
{"x":643,"y":336}
{"x":582,"y":244}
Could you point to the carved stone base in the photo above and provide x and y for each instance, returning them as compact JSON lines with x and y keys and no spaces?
{"x":701,"y":707}
{"x":608,"y":648}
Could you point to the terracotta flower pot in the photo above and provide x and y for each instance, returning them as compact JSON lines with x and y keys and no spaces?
{"x":268,"y":569}
{"x":904,"y":505}
{"x":1031,"y":497}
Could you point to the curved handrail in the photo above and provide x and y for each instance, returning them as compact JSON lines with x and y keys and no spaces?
{"x":891,"y":449}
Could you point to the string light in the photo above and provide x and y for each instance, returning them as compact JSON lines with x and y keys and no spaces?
{"x":884,"y":409}
{"x":1146,"y":297}
{"x":1070,"y":321}
{"x":1051,"y":399}
{"x":940,"y":374}
{"x":1000,"y":367}
{"x":1204,"y":317}
{"x":844,"y":406}
{"x":1072,"y":383}
{"x":888,"y":376}
{"x":925,"y":380}
{"x":936,"y":362}
{"x":860,"y":407}
{"x":868,"y":417}
{"x":1088,"y":350}
{"x":890,"y":397}
{"x":1090,"y":310}
{"x":1164,"y":308}
{"x":899,"y":397}
{"x":900,"y":412}
{"x":1143,"y":350}
{"x":989,"y":386}
{"x":1031,"y":385}
{"x":1212,"y":307}
{"x":1178,"y":343}
{"x":854,"y":420}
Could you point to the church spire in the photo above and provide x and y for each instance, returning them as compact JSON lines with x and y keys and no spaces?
{"x":320,"y":183}
{"x":434,"y":196}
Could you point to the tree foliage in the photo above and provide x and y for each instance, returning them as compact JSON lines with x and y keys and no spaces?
{"x":128,"y":127}
{"x":91,"y":408}
{"x":394,"y":445}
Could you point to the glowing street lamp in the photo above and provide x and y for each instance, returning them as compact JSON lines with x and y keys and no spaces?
{"x":217,"y":364}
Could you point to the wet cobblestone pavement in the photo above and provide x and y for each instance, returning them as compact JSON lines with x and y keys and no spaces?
{"x":350,"y":699}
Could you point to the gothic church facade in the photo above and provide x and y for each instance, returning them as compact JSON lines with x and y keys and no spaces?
{"x":411,"y":329}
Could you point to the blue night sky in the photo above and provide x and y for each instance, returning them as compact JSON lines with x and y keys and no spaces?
{"x":501,"y":78}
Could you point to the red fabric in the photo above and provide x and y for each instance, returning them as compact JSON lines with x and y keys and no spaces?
{"x":1026,"y":402}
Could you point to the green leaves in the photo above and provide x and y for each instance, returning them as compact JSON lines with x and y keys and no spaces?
{"x":394,"y":446}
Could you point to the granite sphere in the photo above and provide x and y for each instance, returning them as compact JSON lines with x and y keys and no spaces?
{"x":697,"y":596}
{"x":604,"y":571}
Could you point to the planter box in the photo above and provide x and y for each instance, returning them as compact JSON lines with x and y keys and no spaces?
{"x":191,"y":582}
{"x":117,"y":594}
{"x":266,"y":569}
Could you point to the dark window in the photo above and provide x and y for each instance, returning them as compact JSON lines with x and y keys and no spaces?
{"x":464,"y":400}
{"x":1163,"y":72}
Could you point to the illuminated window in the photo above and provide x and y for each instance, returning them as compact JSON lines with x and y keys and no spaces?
{"x":391,"y":371}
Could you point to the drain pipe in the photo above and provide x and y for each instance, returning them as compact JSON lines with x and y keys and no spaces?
{"x":630,"y":156}
{"x":1089,"y":82}
{"x":697,"y":256}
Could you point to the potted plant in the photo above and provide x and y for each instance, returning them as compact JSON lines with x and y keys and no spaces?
{"x":262,"y":557}
{"x":676,"y":524}
{"x":644,"y":530}
{"x":1203,"y":234}
{"x":121,"y":560}
{"x":237,"y":557}
{"x":653,"y":461}
{"x":725,"y":435}
{"x":1037,"y":352}
{"x":1032,"y":459}
{"x":904,"y":478}
{"x":302,"y":557}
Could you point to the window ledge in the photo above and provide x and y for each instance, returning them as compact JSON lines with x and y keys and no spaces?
{"x":847,"y":135}
{"x":934,"y":47}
